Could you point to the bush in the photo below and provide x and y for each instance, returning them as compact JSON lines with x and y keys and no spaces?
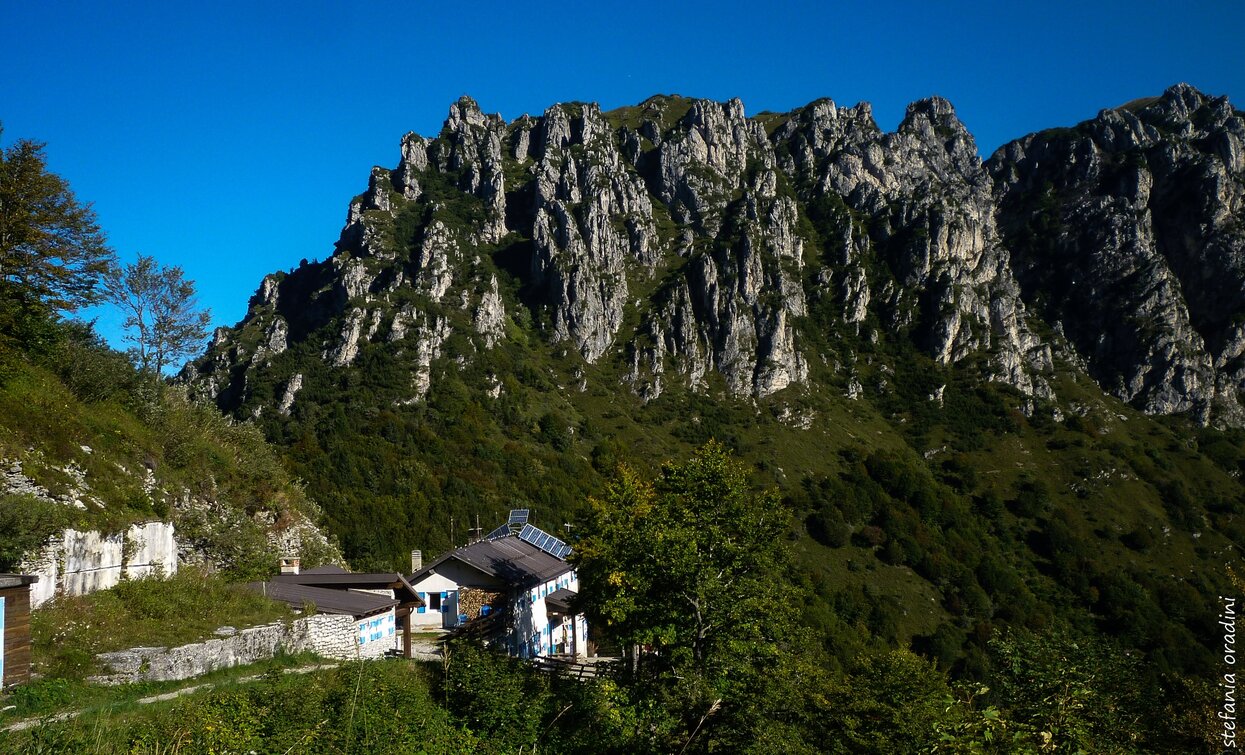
{"x":26,"y":524}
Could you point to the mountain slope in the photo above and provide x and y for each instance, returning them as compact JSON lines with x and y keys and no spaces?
{"x":875,"y":320}
{"x":1129,"y":231}
{"x":87,"y":442}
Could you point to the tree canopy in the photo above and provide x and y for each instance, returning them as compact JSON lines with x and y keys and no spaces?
{"x":691,"y":567}
{"x":686,"y":564}
{"x":52,"y":251}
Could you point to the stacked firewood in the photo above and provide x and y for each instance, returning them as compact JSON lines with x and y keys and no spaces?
{"x":472,"y":599}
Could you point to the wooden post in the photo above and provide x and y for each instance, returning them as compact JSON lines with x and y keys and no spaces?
{"x":406,"y":634}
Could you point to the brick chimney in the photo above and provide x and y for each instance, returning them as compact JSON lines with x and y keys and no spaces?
{"x":289,"y":565}
{"x":417,"y":561}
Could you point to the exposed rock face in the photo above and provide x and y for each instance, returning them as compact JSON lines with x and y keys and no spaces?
{"x":77,"y":563}
{"x":490,"y":316}
{"x":928,"y":215}
{"x":1128,"y":231}
{"x":681,"y":241}
{"x":592,"y":221}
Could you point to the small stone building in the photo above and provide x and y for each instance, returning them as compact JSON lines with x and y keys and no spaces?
{"x":379,"y":602}
{"x":15,"y":628}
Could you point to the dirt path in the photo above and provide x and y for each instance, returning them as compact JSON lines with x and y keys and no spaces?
{"x":173,"y":695}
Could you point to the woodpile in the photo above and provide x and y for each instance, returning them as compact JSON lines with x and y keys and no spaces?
{"x":472,"y":599}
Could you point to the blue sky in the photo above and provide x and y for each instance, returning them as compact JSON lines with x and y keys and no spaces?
{"x":229,"y":137}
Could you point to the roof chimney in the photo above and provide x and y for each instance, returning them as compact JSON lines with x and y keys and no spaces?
{"x":289,"y":565}
{"x":417,"y":561}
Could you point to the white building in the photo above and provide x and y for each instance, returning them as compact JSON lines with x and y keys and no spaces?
{"x":516,"y":582}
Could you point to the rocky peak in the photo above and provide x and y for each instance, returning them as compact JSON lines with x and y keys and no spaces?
{"x":1132,"y":221}
{"x":463,"y":114}
{"x":679,"y":239}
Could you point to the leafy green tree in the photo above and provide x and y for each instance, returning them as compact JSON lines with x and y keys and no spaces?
{"x":52,"y":251}
{"x":693,"y":567}
{"x":161,"y":312}
{"x":1075,"y":693}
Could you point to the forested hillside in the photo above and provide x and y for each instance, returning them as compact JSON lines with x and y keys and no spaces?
{"x":862,"y":317}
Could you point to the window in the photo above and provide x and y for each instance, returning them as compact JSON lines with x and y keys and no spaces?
{"x":434,"y":601}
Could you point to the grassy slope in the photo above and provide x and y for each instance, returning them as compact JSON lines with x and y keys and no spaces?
{"x":64,"y":411}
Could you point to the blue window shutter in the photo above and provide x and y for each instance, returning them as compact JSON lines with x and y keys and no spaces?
{"x":423,"y":596}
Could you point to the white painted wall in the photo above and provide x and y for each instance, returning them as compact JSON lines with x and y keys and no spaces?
{"x":532,"y":635}
{"x":376,"y":634}
{"x":438,"y":583}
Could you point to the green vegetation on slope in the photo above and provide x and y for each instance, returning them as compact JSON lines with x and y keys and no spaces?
{"x":84,"y":424}
{"x":69,"y":631}
{"x":732,"y":673}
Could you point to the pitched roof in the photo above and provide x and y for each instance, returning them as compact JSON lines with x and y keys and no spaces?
{"x":325,"y":569}
{"x":326,"y":600}
{"x":342,"y":579}
{"x":509,"y":559}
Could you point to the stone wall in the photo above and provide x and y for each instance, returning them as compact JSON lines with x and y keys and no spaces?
{"x":328,"y":635}
{"x":76,"y":563}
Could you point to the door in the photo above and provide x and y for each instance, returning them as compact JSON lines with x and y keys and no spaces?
{"x":449,"y":609}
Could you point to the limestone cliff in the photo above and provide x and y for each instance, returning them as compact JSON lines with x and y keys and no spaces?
{"x":681,"y":241}
{"x":1127,"y":234}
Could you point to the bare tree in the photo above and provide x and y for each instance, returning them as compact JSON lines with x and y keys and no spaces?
{"x":161,"y":312}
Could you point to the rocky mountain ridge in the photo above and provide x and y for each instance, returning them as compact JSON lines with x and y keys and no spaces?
{"x":685,"y":243}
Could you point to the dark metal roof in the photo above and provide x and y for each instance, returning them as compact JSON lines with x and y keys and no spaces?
{"x":509,"y":559}
{"x":326,"y":600}
{"x":339,"y":578}
{"x":325,"y":569}
{"x":560,"y":600}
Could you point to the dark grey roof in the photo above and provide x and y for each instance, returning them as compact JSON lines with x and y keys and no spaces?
{"x":509,"y":559}
{"x":339,"y":578}
{"x":326,"y":600}
{"x":560,"y":600}
{"x":325,"y":569}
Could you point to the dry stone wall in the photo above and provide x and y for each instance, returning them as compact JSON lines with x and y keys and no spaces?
{"x":330,"y":636}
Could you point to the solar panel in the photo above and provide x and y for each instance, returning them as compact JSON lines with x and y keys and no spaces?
{"x":502,"y":531}
{"x":543,"y":540}
{"x":519,"y":516}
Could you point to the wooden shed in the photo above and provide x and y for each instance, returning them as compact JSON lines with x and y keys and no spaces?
{"x":15,"y":628}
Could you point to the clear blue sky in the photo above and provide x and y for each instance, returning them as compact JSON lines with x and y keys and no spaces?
{"x":229,"y":137}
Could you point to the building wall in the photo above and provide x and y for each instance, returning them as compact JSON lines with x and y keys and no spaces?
{"x":531,"y":635}
{"x":425,"y":618}
{"x":329,"y":635}
{"x":16,"y":635}
{"x":376,"y":634}
{"x":446,"y":580}
{"x":76,"y":563}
